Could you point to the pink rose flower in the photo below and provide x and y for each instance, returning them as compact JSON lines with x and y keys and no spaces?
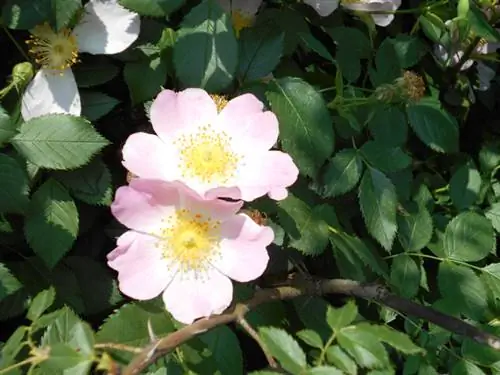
{"x":217,"y":149}
{"x":185,"y":247}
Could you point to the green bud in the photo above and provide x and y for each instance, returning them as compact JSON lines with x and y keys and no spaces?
{"x":22,"y":73}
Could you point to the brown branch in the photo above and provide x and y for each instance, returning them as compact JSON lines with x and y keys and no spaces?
{"x":253,"y":334}
{"x":301,"y":287}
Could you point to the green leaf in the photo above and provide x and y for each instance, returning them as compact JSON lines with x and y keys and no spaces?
{"x":152,"y":8}
{"x":436,"y":128}
{"x":311,"y":338}
{"x":58,"y":141}
{"x":260,"y":52}
{"x":339,"y":358}
{"x":409,"y":49}
{"x":480,"y":25}
{"x":387,"y":159}
{"x":64,"y":11}
{"x":465,"y":185}
{"x":378,"y":202}
{"x":12,"y":347}
{"x":145,"y":78}
{"x":95,"y":71}
{"x":225,"y":349}
{"x":341,"y":317}
{"x":414,"y":227}
{"x":206,"y":50}
{"x":63,"y":358}
{"x":388,"y":126}
{"x":358,"y":253}
{"x":432,"y":26}
{"x":489,"y":157}
{"x":387,"y":64}
{"x":405,"y":276}
{"x":14,"y":189}
{"x":308,"y":227}
{"x":67,"y":328}
{"x":315,"y":45}
{"x":352,"y":46}
{"x":25,"y":14}
{"x":8,"y":282}
{"x":306,"y":131}
{"x":51,"y":225}
{"x":342,"y":173}
{"x":40,"y":303}
{"x":323,"y":370}
{"x":98,"y":293}
{"x":8,"y":127}
{"x":286,"y":20}
{"x":493,"y":213}
{"x":464,"y":367}
{"x":462,"y":286}
{"x":398,"y":340}
{"x":469,"y":237}
{"x":129,"y":325}
{"x":284,"y":348}
{"x":96,"y":104}
{"x":363,"y":346}
{"x":91,"y":184}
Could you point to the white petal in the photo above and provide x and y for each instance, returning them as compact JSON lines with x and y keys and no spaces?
{"x":51,"y":92}
{"x":323,"y":7}
{"x":106,"y":28}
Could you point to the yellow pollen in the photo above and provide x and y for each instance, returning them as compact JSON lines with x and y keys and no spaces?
{"x":189,"y":240}
{"x":207,"y":156}
{"x":55,"y":51}
{"x":240,"y":21}
{"x":220,"y":101}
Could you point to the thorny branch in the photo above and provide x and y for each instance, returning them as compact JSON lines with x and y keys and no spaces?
{"x":307,"y":287}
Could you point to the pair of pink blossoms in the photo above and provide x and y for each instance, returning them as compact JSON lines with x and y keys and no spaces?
{"x":183,"y":241}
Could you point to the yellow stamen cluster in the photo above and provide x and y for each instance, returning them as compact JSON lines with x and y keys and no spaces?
{"x":189,"y":240}
{"x":207,"y":156}
{"x":220,"y":101}
{"x":240,"y":21}
{"x":55,"y":51}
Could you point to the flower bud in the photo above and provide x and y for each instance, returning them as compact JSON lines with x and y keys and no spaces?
{"x":22,"y":73}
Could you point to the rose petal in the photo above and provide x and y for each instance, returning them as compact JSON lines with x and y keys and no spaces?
{"x":243,"y":255}
{"x":250,"y":128}
{"x":269,"y":173}
{"x":142,"y":272}
{"x":143,"y":204}
{"x":323,"y":7}
{"x":147,"y":156}
{"x":51,"y":92}
{"x":106,"y":28}
{"x":216,"y":209}
{"x":191,"y":296}
{"x":177,"y":112}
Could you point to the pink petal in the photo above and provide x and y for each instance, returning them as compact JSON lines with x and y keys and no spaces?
{"x":269,"y":173}
{"x":250,"y":128}
{"x":244,"y":255}
{"x":191,"y":296}
{"x":144,"y":204}
{"x":217,"y":209}
{"x":173,"y":112}
{"x":147,"y":156}
{"x":142,"y":272}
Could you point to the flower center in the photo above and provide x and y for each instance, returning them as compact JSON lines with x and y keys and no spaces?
{"x":55,"y":51}
{"x":240,"y":21}
{"x":190,"y":240}
{"x":207,"y":156}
